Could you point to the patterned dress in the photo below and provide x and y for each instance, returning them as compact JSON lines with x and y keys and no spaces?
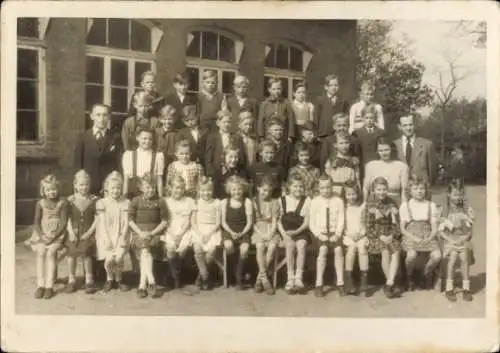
{"x":112,"y":230}
{"x":310,"y":175}
{"x":265,"y":212}
{"x":457,"y":224}
{"x":342,"y":170}
{"x":82,"y":213}
{"x":50,"y":226}
{"x":190,"y":172}
{"x":380,"y":221}
{"x":419,"y":227}
{"x":206,"y":218}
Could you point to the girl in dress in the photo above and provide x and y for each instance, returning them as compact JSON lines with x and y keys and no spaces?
{"x":237,"y":220}
{"x":419,"y":219}
{"x":230,"y":166}
{"x":383,"y":233}
{"x":456,"y":231}
{"x":355,"y":238}
{"x":178,"y":235}
{"x":210,"y":101}
{"x":309,"y":173}
{"x":183,"y":167}
{"x":206,"y":230}
{"x":304,"y":110}
{"x":112,"y":231}
{"x":293,"y":227}
{"x":81,"y":229}
{"x":49,"y":230}
{"x":148,"y":218}
{"x":265,"y":235}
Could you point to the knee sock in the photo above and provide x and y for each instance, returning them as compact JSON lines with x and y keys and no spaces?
{"x":320,"y":269}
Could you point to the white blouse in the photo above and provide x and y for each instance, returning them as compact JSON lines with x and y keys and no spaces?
{"x":419,"y":211}
{"x":354,"y":220}
{"x":143,"y":163}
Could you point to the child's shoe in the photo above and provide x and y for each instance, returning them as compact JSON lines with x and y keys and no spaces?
{"x":428,"y":281}
{"x":349,"y":285}
{"x":259,"y":286}
{"x":141,"y":293}
{"x":70,"y":288}
{"x":154,"y":291}
{"x":341,"y":290}
{"x":299,"y":286}
{"x":39,"y":292}
{"x":90,"y":288}
{"x":467,"y":295}
{"x":123,"y":287}
{"x":267,"y":286}
{"x":388,"y":291}
{"x":451,"y":295}
{"x":48,"y":293}
{"x":319,"y":292}
{"x":289,"y":287}
{"x":107,"y":286}
{"x":363,"y":283}
{"x":198,"y":282}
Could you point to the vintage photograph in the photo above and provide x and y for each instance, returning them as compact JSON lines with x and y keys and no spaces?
{"x":236,"y":167}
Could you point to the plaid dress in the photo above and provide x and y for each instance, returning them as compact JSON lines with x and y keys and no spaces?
{"x":190,"y":172}
{"x":380,"y":221}
{"x":420,"y":228}
{"x":461,"y":232}
{"x":342,"y":170}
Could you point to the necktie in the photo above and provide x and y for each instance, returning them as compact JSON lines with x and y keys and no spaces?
{"x":98,"y":135}
{"x":408,"y":152}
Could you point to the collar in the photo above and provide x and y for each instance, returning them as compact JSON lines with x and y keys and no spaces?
{"x":95,"y":130}
{"x":274,"y":100}
{"x":412,"y":140}
{"x":331,"y":96}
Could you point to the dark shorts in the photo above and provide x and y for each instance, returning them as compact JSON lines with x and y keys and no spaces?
{"x":242,"y":240}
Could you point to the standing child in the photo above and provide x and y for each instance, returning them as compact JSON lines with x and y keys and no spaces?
{"x":276,"y":106}
{"x":240,"y":102}
{"x":81,"y":229}
{"x":112,"y":233}
{"x":209,"y":101}
{"x":49,"y":230}
{"x":180,"y":98}
{"x":303,"y":110}
{"x":166,"y":134}
{"x":383,"y":232}
{"x":368,"y":134}
{"x":308,"y":172}
{"x":230,"y":167}
{"x":265,"y":235}
{"x":148,"y":218}
{"x":308,"y":138}
{"x":246,"y":123}
{"x":293,"y":226}
{"x":366,"y":98}
{"x":268,"y":167}
{"x":456,"y":231}
{"x":326,"y":221}
{"x":206,"y":230}
{"x":419,"y":219}
{"x":237,"y":220}
{"x":329,"y":104}
{"x":275,"y":133}
{"x":148,"y":84}
{"x":178,"y":236}
{"x":355,"y":238}
{"x":185,"y":168}
{"x":142,"y":103}
{"x":192,"y":133}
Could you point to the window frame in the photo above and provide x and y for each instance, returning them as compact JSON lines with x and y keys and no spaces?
{"x":201,"y":66}
{"x":290,"y":76}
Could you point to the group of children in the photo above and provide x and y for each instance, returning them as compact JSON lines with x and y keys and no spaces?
{"x":196,"y":176}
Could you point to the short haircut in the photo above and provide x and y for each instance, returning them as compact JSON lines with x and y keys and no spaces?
{"x":266,"y":144}
{"x":406,"y":116}
{"x":209,"y":74}
{"x":221,"y":114}
{"x":383,"y":140}
{"x":181,"y":77}
{"x":142,"y":95}
{"x":81,"y":175}
{"x":309,"y":126}
{"x":301,"y":147}
{"x":149,"y":179}
{"x":100,"y":105}
{"x":148,"y":73}
{"x":342,"y":136}
{"x":48,"y":180}
{"x":240,"y":79}
{"x":329,"y":78}
{"x":274,"y":120}
{"x":245,"y":115}
{"x":272,"y":81}
{"x":167,"y":110}
{"x":367,"y":85}
{"x":369,"y":109}
{"x":189,"y":110}
{"x":140,"y":129}
{"x":340,"y":116}
{"x":379,"y":181}
{"x":298,"y":85}
{"x":182,"y":144}
{"x":236,"y":180}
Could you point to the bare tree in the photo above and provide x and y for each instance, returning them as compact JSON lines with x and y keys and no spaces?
{"x":473,"y":29}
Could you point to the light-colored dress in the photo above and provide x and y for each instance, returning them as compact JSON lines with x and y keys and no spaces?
{"x":206,"y":218}
{"x":265,"y":212}
{"x":394,"y":171}
{"x":457,"y":224}
{"x":355,"y":226}
{"x":112,"y":227}
{"x":180,"y":213}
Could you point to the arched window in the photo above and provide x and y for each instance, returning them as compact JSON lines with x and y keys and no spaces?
{"x":285,"y":61}
{"x":213,"y":50}
{"x":118,"y":52}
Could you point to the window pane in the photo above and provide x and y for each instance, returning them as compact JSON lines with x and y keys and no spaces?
{"x":140,"y":68}
{"x":194,"y":78}
{"x":27,"y":27}
{"x":27,"y":126}
{"x":140,"y":37}
{"x":296,"y":59}
{"x":227,"y":81}
{"x":226,"y":49}
{"x":119,"y":100}
{"x":119,"y":72}
{"x":209,"y":46}
{"x":93,"y":95}
{"x":118,"y":33}
{"x":271,"y":57}
{"x":27,"y":95}
{"x":27,"y":63}
{"x":97,"y":33}
{"x":282,"y":57}
{"x":193,"y":48}
{"x":95,"y":70}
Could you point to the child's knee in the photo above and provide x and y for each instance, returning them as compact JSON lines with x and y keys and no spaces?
{"x":260,"y":247}
{"x":301,"y":245}
{"x":229,"y":246}
{"x":244,"y":249}
{"x":323,"y":251}
{"x":436,"y":255}
{"x":411,"y":255}
{"x":338,"y":251}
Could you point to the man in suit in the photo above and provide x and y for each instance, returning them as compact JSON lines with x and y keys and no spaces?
{"x":180,"y":98}
{"x":417,"y":152}
{"x":240,"y":102}
{"x":327,"y":105}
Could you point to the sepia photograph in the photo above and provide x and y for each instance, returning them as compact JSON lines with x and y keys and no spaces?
{"x":234,"y":166}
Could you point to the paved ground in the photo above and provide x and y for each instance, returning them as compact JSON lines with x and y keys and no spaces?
{"x":229,"y":302}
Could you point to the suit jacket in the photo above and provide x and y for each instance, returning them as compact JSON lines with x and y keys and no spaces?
{"x":324,"y":112}
{"x":328,"y":149}
{"x":98,"y":158}
{"x":214,"y":152}
{"x":251,"y":149}
{"x":208,"y":109}
{"x":368,"y":143}
{"x":284,"y":154}
{"x":173,"y":100}
{"x":197,"y":147}
{"x":423,"y":161}
{"x":165,"y":141}
{"x":250,"y":105}
{"x":280,"y":107}
{"x":158,"y":103}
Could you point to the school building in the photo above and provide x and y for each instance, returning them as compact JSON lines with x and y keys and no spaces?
{"x":65,"y":65}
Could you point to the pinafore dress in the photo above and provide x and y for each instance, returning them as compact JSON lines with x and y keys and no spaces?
{"x":420,"y":229}
{"x":51,"y":217}
{"x":292,"y":220}
{"x":148,"y":215}
{"x":206,"y":218}
{"x":135,"y":181}
{"x":236,"y":219}
{"x":82,"y":214}
{"x":263,"y":221}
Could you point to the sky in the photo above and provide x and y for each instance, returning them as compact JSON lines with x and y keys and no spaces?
{"x":433,"y":41}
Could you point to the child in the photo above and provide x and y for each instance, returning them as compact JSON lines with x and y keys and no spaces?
{"x":180,"y":98}
{"x":230,"y":167}
{"x":276,"y":106}
{"x":366,"y":98}
{"x":49,"y":226}
{"x":303,"y":110}
{"x":326,"y":221}
{"x":308,"y":138}
{"x":147,"y":219}
{"x":275,"y":133}
{"x":219,"y":140}
{"x":246,"y":123}
{"x":341,"y":127}
{"x":185,"y":168}
{"x":81,"y":229}
{"x":178,"y":235}
{"x":166,"y":134}
{"x":419,"y":229}
{"x":142,"y":103}
{"x":265,"y":235}
{"x":148,"y":85}
{"x":383,"y":232}
{"x":308,"y":172}
{"x":240,"y":102}
{"x":209,"y":101}
{"x":456,"y":231}
{"x":206,"y":230}
{"x":237,"y":220}
{"x":329,"y":104}
{"x":141,"y":160}
{"x":342,"y":167}
{"x":112,"y":235}
{"x":293,"y":227}
{"x":192,"y":133}
{"x":355,"y":238}
{"x":268,"y":167}
{"x":368,"y":135}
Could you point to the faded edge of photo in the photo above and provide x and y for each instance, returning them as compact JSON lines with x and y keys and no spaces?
{"x":106,"y":333}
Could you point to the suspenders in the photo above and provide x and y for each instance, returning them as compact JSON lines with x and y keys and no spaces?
{"x":134,"y":163}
